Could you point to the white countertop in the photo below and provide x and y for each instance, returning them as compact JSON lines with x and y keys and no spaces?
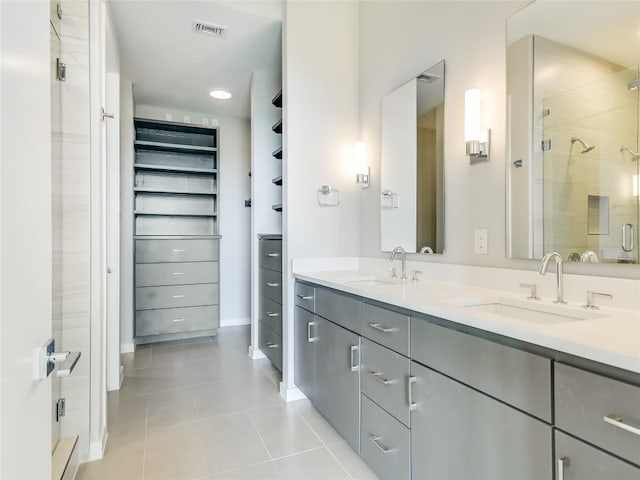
{"x":611,"y":336}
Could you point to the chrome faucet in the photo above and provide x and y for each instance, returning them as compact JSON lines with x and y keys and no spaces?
{"x":403,"y":260}
{"x":543,"y":269}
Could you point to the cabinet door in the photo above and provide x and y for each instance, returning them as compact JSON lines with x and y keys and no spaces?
{"x":578,"y":461}
{"x":460,"y":433}
{"x":337,"y":392}
{"x":305,"y":328}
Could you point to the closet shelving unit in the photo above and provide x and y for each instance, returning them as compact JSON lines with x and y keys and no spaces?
{"x":277,"y":153}
{"x":176,"y":230}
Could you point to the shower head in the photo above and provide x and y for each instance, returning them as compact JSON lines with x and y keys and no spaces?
{"x":585,"y":146}
{"x":634,"y":155}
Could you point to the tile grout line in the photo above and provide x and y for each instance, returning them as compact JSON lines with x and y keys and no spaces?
{"x":259,"y":435}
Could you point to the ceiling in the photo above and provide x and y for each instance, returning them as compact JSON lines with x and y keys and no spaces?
{"x":173,"y":67}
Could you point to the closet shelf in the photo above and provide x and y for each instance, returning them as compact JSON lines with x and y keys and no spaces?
{"x":277,"y":127}
{"x":158,"y":214}
{"x":174,"y":126}
{"x":277,"y":153}
{"x":277,"y":100}
{"x":172,"y":147}
{"x":277,"y":180}
{"x":167,"y":168}
{"x":277,"y":207}
{"x":171,"y":192}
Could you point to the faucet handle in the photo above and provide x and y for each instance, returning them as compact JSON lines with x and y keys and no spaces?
{"x":415,"y":275}
{"x":533,"y":290}
{"x":394,"y":273}
{"x":591,"y":302}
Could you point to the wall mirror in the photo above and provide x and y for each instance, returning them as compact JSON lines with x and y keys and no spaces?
{"x":573,"y":131}
{"x":412,"y":164}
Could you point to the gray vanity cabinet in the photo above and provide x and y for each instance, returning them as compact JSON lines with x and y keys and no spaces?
{"x":305,"y":329}
{"x":337,"y":379}
{"x":270,"y":289}
{"x":460,"y":433}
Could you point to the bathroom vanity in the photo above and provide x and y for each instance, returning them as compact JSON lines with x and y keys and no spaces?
{"x":420,"y":391}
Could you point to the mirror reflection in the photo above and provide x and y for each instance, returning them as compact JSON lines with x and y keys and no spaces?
{"x":572,"y":96}
{"x":412,"y":166}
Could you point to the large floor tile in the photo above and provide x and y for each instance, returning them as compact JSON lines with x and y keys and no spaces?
{"x":135,"y":382}
{"x":351,"y":461}
{"x":140,"y":359}
{"x":167,"y":354}
{"x":232,"y":442}
{"x":317,"y":422}
{"x":315,"y":464}
{"x":176,"y":453}
{"x":262,"y":471}
{"x":170,"y":408}
{"x":283,"y":430}
{"x":119,"y":462}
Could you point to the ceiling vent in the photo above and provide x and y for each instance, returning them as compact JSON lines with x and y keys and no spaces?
{"x":208,"y":28}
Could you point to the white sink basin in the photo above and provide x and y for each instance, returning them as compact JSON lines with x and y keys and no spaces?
{"x":368,"y":280}
{"x":532,"y":311}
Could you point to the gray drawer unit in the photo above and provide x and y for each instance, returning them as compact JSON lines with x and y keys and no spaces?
{"x":271,"y":284}
{"x":271,"y":254}
{"x":305,"y":330}
{"x":341,"y":309}
{"x":270,"y":344}
{"x":185,"y":273}
{"x":305,"y":296}
{"x":388,"y":328}
{"x":513,"y":376}
{"x":385,"y":379}
{"x":271,"y":314}
{"x":576,"y":460}
{"x":176,"y":250}
{"x":148,"y":298}
{"x":176,"y":320}
{"x":385,"y":443}
{"x":600,"y":410}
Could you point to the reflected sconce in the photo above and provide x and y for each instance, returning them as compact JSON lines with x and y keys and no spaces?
{"x":363,"y":171}
{"x":476,"y":138}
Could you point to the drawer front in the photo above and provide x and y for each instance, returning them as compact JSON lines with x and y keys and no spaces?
{"x":176,"y":320}
{"x":271,"y":254}
{"x":271,"y":285}
{"x":186,"y":273}
{"x":584,"y":399}
{"x":305,"y":296}
{"x":576,"y":460}
{"x":271,"y":345}
{"x":385,"y":377}
{"x":388,"y":328}
{"x":385,"y":443}
{"x":157,"y":251}
{"x":271,"y":314}
{"x":148,"y":298}
{"x":338,"y":308}
{"x":515,"y":377}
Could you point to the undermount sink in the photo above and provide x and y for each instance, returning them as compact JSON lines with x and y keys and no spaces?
{"x":532,"y":311}
{"x":367,"y":280}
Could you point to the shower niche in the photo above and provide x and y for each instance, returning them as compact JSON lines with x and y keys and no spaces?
{"x":572,"y":107}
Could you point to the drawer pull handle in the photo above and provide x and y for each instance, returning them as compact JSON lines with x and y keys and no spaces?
{"x":305,"y":297}
{"x":353,"y":366}
{"x":410,"y":382}
{"x":378,"y":376}
{"x":178,"y":320}
{"x":272,"y":345}
{"x":273,"y":254}
{"x":562,"y":464}
{"x":178,"y":296}
{"x":272,"y":284}
{"x":178,"y":250}
{"x":375,"y":439}
{"x":380,"y":328}
{"x":618,"y":421}
{"x":177,"y":273}
{"x":272,"y":314}
{"x":310,"y":339}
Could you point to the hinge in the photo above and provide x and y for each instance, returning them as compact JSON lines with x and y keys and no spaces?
{"x":546,"y":145}
{"x":61,"y":407}
{"x":61,"y":70}
{"x":517,"y":163}
{"x":59,"y":11}
{"x":546,"y":112}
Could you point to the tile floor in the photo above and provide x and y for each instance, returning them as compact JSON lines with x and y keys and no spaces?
{"x":204,"y":410}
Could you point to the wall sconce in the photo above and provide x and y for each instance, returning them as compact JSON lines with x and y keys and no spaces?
{"x":476,"y":138}
{"x":363,"y":171}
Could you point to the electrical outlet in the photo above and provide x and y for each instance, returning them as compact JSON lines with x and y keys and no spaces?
{"x":187,"y":119}
{"x":480,"y":241}
{"x":168,"y":117}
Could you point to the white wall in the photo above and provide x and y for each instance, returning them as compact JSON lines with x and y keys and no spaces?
{"x":25,"y":238}
{"x":234,"y":217}
{"x":320,"y":85}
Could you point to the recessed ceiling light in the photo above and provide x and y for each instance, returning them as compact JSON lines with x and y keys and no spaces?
{"x":220,"y":94}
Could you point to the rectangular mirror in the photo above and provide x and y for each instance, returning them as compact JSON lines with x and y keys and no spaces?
{"x":412,"y":165}
{"x":573,"y":133}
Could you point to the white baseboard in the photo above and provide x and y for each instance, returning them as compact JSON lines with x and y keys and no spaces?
{"x":232,"y":322}
{"x":255,"y":353}
{"x":96,"y":449}
{"x":127,"y":348}
{"x":291,"y":394}
{"x":121,"y":375}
